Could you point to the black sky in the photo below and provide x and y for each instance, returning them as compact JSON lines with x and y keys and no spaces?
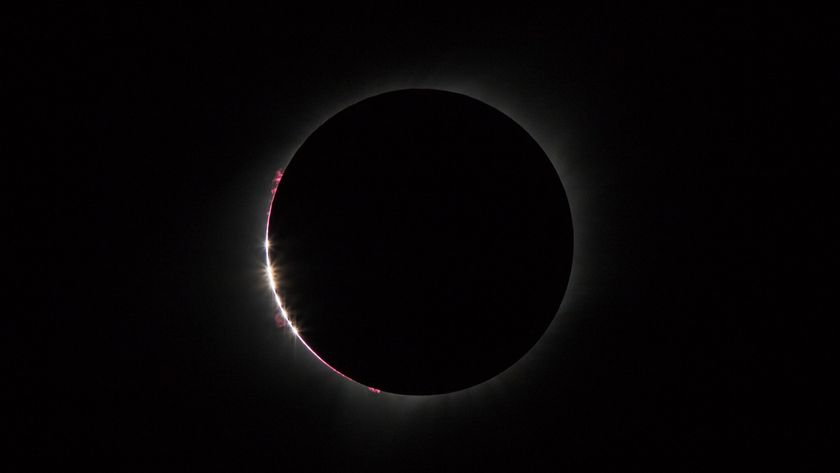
{"x":141,"y":326}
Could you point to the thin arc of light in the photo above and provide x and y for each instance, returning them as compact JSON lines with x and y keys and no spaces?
{"x":272,"y":282}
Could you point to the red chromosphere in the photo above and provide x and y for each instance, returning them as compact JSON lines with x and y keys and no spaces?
{"x":281,"y":319}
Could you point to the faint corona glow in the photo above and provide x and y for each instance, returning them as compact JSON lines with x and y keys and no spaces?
{"x":554,"y":134}
{"x":282,"y":319}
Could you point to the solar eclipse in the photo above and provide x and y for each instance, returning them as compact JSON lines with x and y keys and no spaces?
{"x":419,"y":242}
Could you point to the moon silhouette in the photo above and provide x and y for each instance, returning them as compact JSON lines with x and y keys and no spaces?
{"x":420,"y":242}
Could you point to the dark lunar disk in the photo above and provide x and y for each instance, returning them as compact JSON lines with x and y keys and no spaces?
{"x":422,"y":241}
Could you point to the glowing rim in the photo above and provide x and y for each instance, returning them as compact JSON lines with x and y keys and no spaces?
{"x":272,"y":282}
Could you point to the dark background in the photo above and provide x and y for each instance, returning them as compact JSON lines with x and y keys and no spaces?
{"x":138,"y":323}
